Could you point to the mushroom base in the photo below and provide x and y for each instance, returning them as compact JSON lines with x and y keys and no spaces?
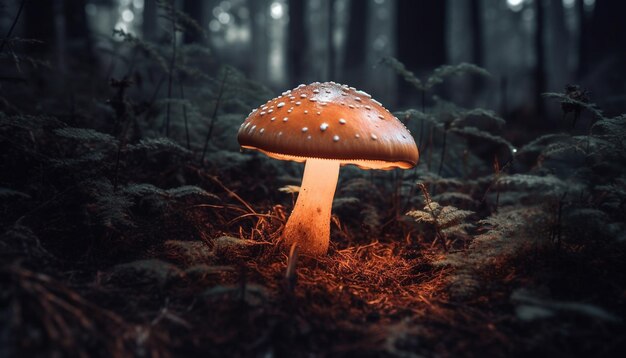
{"x":309,"y":223}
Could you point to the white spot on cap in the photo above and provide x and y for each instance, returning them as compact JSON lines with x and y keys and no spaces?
{"x":286,"y":92}
{"x":273,"y":119}
{"x":264,"y":108}
{"x":298,"y":103}
{"x":358,"y":99}
{"x":364,"y":94}
{"x":262,"y":130}
{"x":316,"y":91}
{"x":351,"y":106}
{"x":342,"y":121}
{"x":308,"y":137}
{"x":336,"y":138}
{"x":270,"y":111}
{"x":313,"y":99}
{"x":306,"y":111}
{"x":374,"y":137}
{"x":381,"y":116}
{"x":324,"y":126}
{"x":252,"y":128}
{"x":357,"y":136}
{"x":263,"y":113}
{"x":303,"y":95}
{"x":285,"y":119}
{"x":280,"y":105}
{"x":319,"y":113}
{"x":304,"y":129}
{"x":280,"y":133}
{"x":289,"y":110}
{"x":300,"y":85}
{"x":368,"y":107}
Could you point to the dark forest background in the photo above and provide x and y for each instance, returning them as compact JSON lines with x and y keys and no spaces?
{"x":529,"y":47}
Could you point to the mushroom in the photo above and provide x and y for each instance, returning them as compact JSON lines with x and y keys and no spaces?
{"x":325,"y":125}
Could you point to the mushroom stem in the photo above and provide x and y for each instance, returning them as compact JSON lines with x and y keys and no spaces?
{"x":309,"y":223}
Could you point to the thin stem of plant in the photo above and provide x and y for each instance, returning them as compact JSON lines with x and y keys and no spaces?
{"x":443,"y":151}
{"x":171,"y":75}
{"x":182,"y":96}
{"x":214,"y":115}
{"x":440,"y":235}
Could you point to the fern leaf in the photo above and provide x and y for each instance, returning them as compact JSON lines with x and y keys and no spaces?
{"x":85,"y":134}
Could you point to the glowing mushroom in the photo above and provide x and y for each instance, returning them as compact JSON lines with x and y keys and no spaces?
{"x":325,"y":125}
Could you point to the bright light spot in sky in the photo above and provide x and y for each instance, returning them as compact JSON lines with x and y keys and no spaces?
{"x":569,"y":3}
{"x":128,"y":15}
{"x":224,"y":18}
{"x":121,"y":26}
{"x":589,"y":4}
{"x":214,"y":25}
{"x":276,"y":10}
{"x":514,"y":150}
{"x":138,"y":4}
{"x":515,"y":5}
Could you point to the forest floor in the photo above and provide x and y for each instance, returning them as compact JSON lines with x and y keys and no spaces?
{"x":209,"y":278}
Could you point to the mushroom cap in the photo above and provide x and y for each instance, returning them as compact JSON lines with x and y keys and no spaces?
{"x":329,"y":121}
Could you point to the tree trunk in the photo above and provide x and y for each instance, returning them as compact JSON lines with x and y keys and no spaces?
{"x":421,"y":36}
{"x":330,"y":75}
{"x":297,"y":41}
{"x":39,"y":24}
{"x":477,"y":32}
{"x":195,"y":10}
{"x":540,"y":73}
{"x":149,"y":25}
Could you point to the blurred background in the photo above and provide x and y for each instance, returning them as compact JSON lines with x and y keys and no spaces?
{"x":528,"y":46}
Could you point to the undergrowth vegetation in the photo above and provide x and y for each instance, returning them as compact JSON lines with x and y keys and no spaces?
{"x":132,"y":225}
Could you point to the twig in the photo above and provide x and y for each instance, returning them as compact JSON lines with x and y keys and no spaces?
{"x":290,"y":274}
{"x":231,"y":193}
{"x":17,"y":16}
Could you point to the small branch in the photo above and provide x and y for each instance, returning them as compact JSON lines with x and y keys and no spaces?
{"x":17,"y":16}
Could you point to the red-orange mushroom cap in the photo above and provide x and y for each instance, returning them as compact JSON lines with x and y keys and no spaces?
{"x":329,"y":121}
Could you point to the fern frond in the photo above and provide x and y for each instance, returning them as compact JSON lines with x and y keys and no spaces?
{"x":158,"y":144}
{"x":401,"y":70}
{"x":445,"y":71}
{"x":86,"y":134}
{"x":480,"y":134}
